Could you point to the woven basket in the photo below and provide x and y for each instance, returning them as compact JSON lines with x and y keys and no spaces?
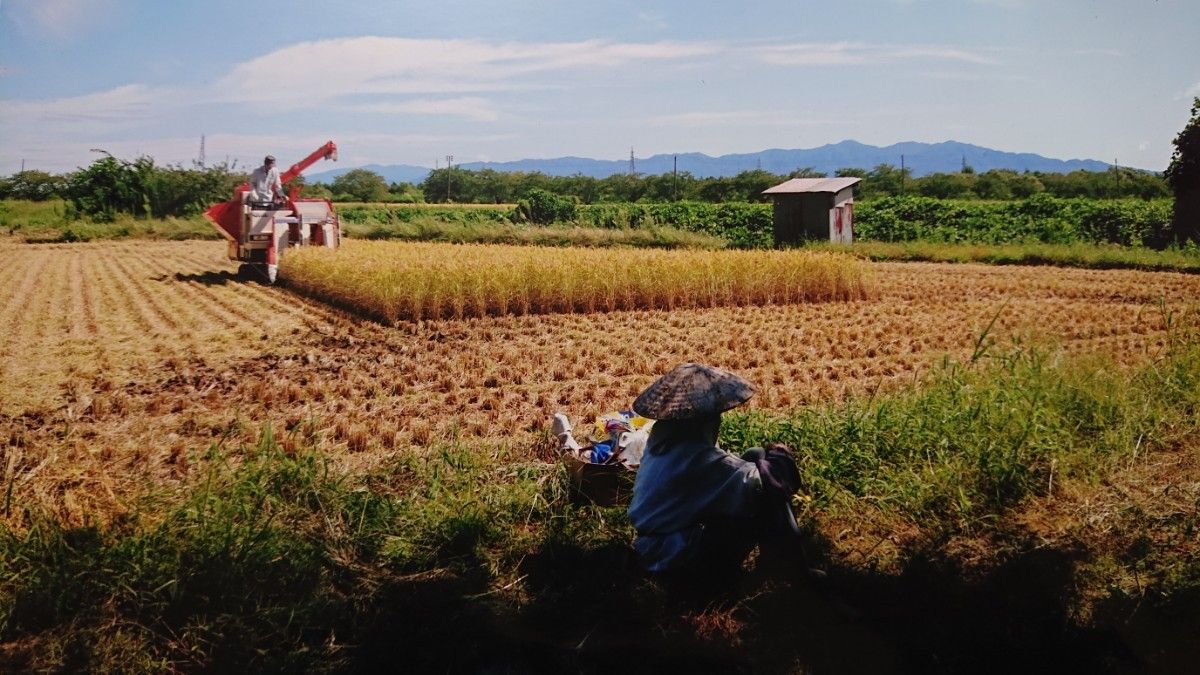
{"x":600,"y":484}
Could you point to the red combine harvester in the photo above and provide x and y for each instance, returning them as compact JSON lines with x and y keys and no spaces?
{"x":258,"y":232}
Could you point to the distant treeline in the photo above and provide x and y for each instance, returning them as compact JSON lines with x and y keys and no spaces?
{"x":488,"y":186}
{"x":140,"y":187}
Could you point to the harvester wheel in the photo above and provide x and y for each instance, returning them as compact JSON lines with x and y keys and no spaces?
{"x":246,"y":272}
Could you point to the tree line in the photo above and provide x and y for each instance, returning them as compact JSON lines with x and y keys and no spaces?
{"x":487,"y":186}
{"x":141,"y":187}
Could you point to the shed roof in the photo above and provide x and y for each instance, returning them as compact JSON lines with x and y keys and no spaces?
{"x":797,"y":185}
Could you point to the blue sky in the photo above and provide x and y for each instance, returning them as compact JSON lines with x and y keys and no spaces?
{"x":400,"y":82}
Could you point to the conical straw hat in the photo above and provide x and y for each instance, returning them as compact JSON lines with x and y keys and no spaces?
{"x":692,"y":390}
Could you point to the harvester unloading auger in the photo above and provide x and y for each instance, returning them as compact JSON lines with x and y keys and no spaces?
{"x":259,"y":232}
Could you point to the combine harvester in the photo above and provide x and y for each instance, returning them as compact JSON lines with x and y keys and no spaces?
{"x":259,"y":232}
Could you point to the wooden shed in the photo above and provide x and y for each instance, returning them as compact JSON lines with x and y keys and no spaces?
{"x":814,"y":209}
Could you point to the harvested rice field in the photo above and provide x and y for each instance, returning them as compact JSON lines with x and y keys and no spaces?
{"x":117,"y":361}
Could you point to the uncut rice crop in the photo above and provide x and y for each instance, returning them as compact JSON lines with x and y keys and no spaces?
{"x":394,"y":281}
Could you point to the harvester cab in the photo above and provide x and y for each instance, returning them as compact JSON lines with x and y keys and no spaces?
{"x":258,"y":233}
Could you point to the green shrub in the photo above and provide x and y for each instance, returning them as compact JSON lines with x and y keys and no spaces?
{"x":1040,"y":218}
{"x":742,"y":224}
{"x":110,"y":186}
{"x":37,"y":186}
{"x":542,"y":208}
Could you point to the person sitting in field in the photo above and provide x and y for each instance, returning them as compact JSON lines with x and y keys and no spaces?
{"x":695,"y":506}
{"x":265,"y":186}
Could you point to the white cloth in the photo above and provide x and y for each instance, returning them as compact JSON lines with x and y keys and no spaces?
{"x":264,"y":183}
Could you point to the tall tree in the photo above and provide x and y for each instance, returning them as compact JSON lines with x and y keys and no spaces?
{"x":363,"y":185}
{"x":1183,"y":175}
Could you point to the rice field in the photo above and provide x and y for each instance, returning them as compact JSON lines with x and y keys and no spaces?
{"x":394,"y":281}
{"x":120,"y":360}
{"x":172,"y":437}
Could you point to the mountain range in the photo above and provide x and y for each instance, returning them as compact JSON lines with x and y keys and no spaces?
{"x":920,"y":158}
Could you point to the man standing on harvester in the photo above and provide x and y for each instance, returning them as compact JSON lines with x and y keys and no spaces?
{"x":265,"y":185}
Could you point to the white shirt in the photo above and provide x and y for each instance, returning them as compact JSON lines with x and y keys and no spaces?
{"x":262,"y":182}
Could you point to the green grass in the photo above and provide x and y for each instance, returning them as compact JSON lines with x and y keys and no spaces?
{"x":43,"y":222}
{"x":983,"y":435}
{"x":434,"y":228}
{"x":263,"y":559}
{"x":266,"y":560}
{"x":1094,"y":256}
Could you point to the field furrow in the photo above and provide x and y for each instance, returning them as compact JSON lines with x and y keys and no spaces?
{"x":34,"y":322}
{"x":136,"y":281}
{"x":27,"y":273}
{"x":196,"y":306}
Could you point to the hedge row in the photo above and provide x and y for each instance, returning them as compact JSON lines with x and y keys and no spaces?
{"x":1039,"y":219}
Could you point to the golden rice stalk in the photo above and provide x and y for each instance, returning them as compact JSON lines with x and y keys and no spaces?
{"x":399,"y":281}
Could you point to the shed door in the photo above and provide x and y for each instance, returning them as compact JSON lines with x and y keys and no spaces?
{"x":841,"y":229}
{"x":848,"y":226}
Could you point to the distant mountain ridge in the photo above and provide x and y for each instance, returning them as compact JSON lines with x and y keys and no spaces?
{"x":921,"y":158}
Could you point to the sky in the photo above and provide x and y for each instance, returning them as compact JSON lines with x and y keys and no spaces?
{"x":410,"y":83}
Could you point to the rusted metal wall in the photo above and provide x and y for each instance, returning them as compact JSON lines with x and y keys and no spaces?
{"x":810,"y":216}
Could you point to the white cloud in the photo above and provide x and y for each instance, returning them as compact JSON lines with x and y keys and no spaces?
{"x":328,"y":69}
{"x":745,"y":117}
{"x":121,"y":106}
{"x":857,"y":53}
{"x":469,"y":107}
{"x":246,"y":150}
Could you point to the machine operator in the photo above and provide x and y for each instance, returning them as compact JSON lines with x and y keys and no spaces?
{"x":265,"y":186}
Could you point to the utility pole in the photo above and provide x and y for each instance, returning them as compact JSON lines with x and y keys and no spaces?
{"x":449,"y":165}
{"x":201,"y":151}
{"x":632,"y":163}
{"x":964,"y":164}
{"x":22,"y":165}
{"x":675,"y":178}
